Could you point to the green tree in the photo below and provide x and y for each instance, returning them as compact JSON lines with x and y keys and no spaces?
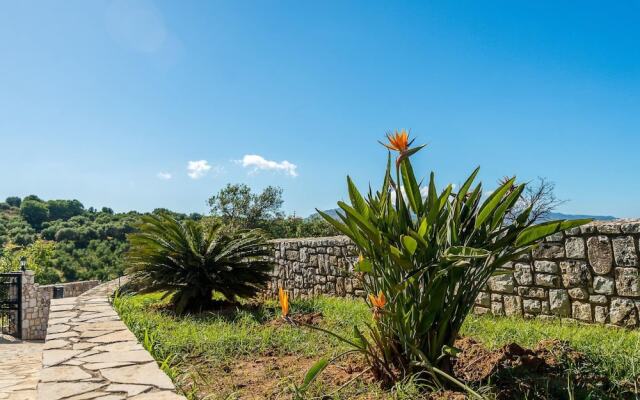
{"x":238,"y":205}
{"x":13,"y":201}
{"x":34,"y":212}
{"x":64,"y":209}
{"x":189,"y":260}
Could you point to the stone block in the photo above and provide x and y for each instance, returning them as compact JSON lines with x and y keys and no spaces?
{"x":531,"y":306}
{"x":603,"y":285}
{"x":575,"y":248}
{"x":549,"y":251}
{"x":600,"y":254}
{"x":547,"y":267}
{"x":497,"y":309}
{"x":598,"y":299}
{"x":581,"y":311}
{"x":623,"y":312}
{"x":547,"y":280}
{"x":502,"y":283}
{"x":578,"y":293}
{"x":575,"y":274}
{"x":624,"y":251}
{"x":532,"y":292}
{"x":512,"y":306}
{"x":628,"y":282}
{"x":559,"y":303}
{"x":483,"y":299}
{"x":600,"y":314}
{"x":522,"y":274}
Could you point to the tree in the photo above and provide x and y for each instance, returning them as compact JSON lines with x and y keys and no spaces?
{"x":540,"y":196}
{"x":34,"y":212}
{"x":238,"y":205}
{"x":13,"y":201}
{"x":191,"y":259}
{"x":64,"y":209}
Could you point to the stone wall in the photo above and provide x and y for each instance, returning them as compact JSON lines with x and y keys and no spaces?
{"x":36,"y":300}
{"x":590,"y":274}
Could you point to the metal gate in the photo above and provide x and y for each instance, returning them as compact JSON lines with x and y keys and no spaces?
{"x":11,"y":304}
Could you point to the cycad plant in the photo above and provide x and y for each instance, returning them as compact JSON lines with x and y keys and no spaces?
{"x":425,"y":258}
{"x":189,"y":260}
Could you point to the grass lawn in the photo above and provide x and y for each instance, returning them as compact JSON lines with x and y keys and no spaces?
{"x":248,"y":353}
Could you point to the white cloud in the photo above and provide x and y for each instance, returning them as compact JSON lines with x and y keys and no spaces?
{"x":257,"y":162}
{"x":165,"y":176}
{"x":198,"y":169}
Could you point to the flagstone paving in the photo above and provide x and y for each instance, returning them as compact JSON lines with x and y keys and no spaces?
{"x":20,"y":364}
{"x":90,"y":354}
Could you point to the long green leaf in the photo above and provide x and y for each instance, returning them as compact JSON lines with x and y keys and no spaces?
{"x":540,"y":231}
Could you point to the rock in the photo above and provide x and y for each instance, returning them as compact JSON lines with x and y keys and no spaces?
{"x":532,"y":292}
{"x":512,"y":306}
{"x":575,"y":274}
{"x":503,"y":283}
{"x":628,"y":282}
{"x":497,"y":309}
{"x":522,"y":274}
{"x":600,"y":254}
{"x":483,"y":299}
{"x":598,"y":299}
{"x":603,"y":285}
{"x":547,"y":267}
{"x":624,"y":252}
{"x":600,"y":314}
{"x":559,"y":302}
{"x":623,"y":312}
{"x":609,"y":228}
{"x":531,"y":306}
{"x":63,"y":390}
{"x":547,"y":280}
{"x":549,"y":251}
{"x":63,"y":373}
{"x":574,"y":247}
{"x":578,"y":293}
{"x":582,"y":311}
{"x":144,"y":374}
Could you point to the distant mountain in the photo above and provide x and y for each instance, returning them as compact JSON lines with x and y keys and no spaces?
{"x":554,"y":215}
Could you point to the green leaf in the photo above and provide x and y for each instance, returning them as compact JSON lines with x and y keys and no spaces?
{"x":363,"y":266}
{"x":409,"y":243}
{"x":411,"y":186}
{"x":492,"y":202}
{"x":450,"y":350}
{"x":314,"y":371}
{"x":422,"y":230}
{"x":540,"y":231}
{"x":356,"y":198}
{"x":457,"y":252}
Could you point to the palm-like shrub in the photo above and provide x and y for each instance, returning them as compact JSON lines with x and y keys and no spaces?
{"x":190,"y":260}
{"x":425,"y":258}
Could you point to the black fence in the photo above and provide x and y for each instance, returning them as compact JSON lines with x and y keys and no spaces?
{"x":11,"y":304}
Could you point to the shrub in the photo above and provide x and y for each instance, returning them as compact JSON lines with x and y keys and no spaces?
{"x":34,"y":212}
{"x":424,"y":260}
{"x":191,"y":259}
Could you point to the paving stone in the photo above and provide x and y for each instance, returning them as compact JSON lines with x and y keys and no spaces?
{"x":61,"y":390}
{"x":63,"y":373}
{"x":145,"y":374}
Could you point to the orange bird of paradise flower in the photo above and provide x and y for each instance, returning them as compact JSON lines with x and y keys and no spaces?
{"x":398,"y":141}
{"x":284,"y":302}
{"x":378,"y":303}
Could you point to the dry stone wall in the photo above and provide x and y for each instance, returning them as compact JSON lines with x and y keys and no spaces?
{"x":36,"y":300}
{"x":590,"y":274}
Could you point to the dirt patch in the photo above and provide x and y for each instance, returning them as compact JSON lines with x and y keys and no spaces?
{"x":267,"y":377}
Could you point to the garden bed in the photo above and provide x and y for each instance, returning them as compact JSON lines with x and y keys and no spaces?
{"x":245,"y":352}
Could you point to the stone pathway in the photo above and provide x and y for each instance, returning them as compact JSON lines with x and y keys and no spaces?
{"x":20,"y":364}
{"x":90,"y":354}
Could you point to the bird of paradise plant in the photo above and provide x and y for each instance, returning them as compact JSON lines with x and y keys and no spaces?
{"x":424,"y":259}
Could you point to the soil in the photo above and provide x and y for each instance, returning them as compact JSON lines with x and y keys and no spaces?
{"x":512,"y":372}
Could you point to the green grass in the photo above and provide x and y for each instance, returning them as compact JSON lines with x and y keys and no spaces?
{"x":248,"y":332}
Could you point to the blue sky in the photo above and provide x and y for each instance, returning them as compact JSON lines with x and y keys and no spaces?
{"x":103,"y":101}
